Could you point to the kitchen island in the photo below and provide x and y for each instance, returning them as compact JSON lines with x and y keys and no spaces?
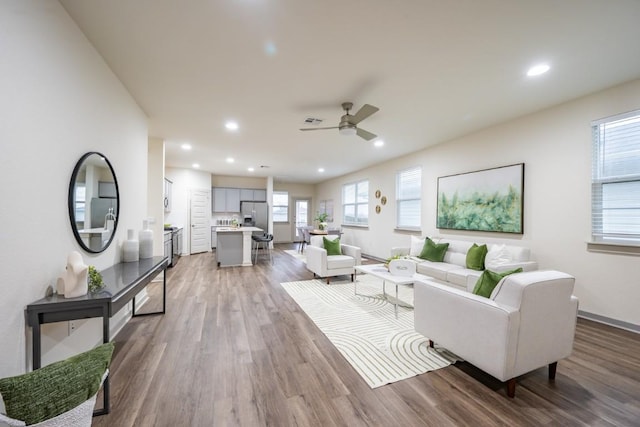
{"x":234,"y":245}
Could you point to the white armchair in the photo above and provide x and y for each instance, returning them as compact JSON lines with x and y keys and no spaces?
{"x":328,"y":266}
{"x":528,"y":322}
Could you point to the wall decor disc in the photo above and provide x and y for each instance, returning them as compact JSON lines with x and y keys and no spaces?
{"x":378,"y":209}
{"x":383,"y":200}
{"x":378,"y":194}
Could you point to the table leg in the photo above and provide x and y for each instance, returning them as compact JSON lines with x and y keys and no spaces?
{"x":36,"y":356}
{"x":396,"y":301}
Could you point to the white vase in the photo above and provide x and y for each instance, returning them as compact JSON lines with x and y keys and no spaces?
{"x":145,"y":236}
{"x":130,"y":247}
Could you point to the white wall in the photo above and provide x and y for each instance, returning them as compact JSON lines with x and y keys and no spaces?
{"x":59,"y":100}
{"x":155,"y":192}
{"x":185,"y":180}
{"x":555,"y":145}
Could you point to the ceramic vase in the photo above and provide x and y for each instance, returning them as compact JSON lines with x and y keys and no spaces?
{"x":145,"y":236}
{"x":130,"y":247}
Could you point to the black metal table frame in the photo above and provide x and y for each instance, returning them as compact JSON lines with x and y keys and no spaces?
{"x":41,"y":312}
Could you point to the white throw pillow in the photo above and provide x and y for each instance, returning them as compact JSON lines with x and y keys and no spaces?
{"x":497,"y":255}
{"x":416,"y":246}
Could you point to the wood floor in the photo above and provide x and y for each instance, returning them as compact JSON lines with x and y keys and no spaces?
{"x":234,"y":349}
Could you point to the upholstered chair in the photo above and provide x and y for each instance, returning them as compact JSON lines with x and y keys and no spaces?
{"x":323,"y":264}
{"x":528,"y":322}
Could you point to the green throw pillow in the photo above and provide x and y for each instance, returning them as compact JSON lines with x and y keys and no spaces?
{"x":57,"y":388}
{"x":332,"y":246}
{"x":433,"y":251}
{"x":488,"y":281}
{"x":475,"y":257}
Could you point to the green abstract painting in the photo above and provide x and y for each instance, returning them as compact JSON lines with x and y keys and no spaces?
{"x":485,"y":200}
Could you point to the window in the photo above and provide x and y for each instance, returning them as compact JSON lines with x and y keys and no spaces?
{"x":355,"y":203}
{"x":326,"y":206}
{"x":280,"y":206}
{"x":408,"y":201}
{"x":615,"y":181}
{"x":80,"y":202}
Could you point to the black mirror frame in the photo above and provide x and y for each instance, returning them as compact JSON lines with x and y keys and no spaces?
{"x":71,"y":203}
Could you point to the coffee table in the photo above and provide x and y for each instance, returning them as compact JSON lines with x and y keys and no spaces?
{"x":381,"y":272}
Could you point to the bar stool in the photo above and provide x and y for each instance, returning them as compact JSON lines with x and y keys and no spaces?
{"x":265,"y":240}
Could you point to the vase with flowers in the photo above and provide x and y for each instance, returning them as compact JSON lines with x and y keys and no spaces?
{"x":322,"y":220}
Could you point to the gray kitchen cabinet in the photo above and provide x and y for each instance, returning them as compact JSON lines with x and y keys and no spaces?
{"x":259,"y":195}
{"x":167,"y":195}
{"x":253,"y":195}
{"x":226,"y":200}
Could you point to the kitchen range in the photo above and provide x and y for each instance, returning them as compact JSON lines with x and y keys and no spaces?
{"x":173,"y":244}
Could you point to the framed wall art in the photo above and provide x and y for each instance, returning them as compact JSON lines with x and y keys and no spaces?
{"x":484,"y":200}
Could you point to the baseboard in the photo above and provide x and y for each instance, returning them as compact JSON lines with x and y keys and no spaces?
{"x":373,"y":258}
{"x":608,"y":321}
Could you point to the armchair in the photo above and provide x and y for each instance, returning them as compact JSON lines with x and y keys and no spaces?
{"x":324,"y":265}
{"x":528,"y":322}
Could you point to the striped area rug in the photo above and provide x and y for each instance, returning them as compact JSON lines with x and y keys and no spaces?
{"x":363,"y":327}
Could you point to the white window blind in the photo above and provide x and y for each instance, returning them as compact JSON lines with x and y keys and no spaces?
{"x":615,"y":182}
{"x":355,"y":203}
{"x":280,"y":206}
{"x":408,"y":197}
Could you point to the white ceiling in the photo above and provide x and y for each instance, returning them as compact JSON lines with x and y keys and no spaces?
{"x":436,"y":69}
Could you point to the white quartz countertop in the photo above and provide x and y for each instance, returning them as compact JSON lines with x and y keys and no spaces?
{"x":237,"y":230}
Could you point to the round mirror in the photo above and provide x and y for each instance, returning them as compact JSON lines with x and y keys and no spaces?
{"x":94,"y":202}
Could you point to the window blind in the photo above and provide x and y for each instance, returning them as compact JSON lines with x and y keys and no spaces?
{"x":408,"y":194}
{"x":615,"y":181}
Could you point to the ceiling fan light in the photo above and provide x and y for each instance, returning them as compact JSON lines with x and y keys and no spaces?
{"x":348,"y":130}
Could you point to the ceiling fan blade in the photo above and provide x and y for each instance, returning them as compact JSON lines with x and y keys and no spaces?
{"x":365,"y":134}
{"x":363,"y":113}
{"x":331,"y":127}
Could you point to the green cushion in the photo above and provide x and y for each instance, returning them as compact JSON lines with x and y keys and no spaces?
{"x":57,"y":388}
{"x":475,"y":257}
{"x":488,"y":281}
{"x":433,"y":251}
{"x":332,"y":246}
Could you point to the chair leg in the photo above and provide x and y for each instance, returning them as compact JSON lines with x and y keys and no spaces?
{"x":431,"y":344}
{"x":552,"y":370}
{"x":352,"y":276}
{"x":511,"y":387}
{"x":328,"y":279}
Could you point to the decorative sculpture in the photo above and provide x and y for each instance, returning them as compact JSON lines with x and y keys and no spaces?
{"x":73,"y":283}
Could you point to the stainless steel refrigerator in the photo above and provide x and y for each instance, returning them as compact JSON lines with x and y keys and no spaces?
{"x":259,"y":214}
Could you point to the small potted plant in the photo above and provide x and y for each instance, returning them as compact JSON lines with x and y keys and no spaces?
{"x":95,"y":280}
{"x":322,"y":220}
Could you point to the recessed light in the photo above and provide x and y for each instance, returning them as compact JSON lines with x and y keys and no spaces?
{"x":379,"y":143}
{"x":195,"y":165}
{"x":537,"y":70}
{"x":250,"y":169}
{"x":230,"y":160}
{"x":186,"y":147}
{"x":231,"y":125}
{"x":320,"y":170}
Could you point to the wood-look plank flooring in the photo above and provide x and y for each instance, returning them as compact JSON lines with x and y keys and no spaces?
{"x":234,"y":349}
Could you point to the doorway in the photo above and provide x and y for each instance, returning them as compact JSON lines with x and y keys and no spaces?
{"x":301,"y":217}
{"x":200,"y":215}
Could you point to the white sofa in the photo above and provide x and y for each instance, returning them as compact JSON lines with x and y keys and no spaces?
{"x":453,"y":272}
{"x":328,"y":266}
{"x":528,"y":322}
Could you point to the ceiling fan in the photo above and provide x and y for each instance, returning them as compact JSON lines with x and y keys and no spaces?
{"x":348,"y":122}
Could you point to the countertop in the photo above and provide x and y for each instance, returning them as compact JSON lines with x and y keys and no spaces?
{"x":237,"y":230}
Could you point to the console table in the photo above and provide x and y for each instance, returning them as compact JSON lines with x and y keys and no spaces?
{"x":122,"y":283}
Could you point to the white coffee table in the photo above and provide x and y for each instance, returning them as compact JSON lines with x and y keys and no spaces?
{"x":381,"y":272}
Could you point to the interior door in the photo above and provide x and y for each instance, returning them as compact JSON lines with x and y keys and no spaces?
{"x":200,"y":208}
{"x":302,"y":217}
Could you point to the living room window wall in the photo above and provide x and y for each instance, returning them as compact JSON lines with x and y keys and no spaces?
{"x":408,"y":198}
{"x":615,"y":183}
{"x":355,"y":203}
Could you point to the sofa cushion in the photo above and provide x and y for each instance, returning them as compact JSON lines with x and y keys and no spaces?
{"x":332,"y":246}
{"x":433,"y":251}
{"x":489,"y":279}
{"x":437,"y":270}
{"x":335,"y":262}
{"x":416,"y":246}
{"x":460,"y":276}
{"x":475,"y":257}
{"x":56,"y":388}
